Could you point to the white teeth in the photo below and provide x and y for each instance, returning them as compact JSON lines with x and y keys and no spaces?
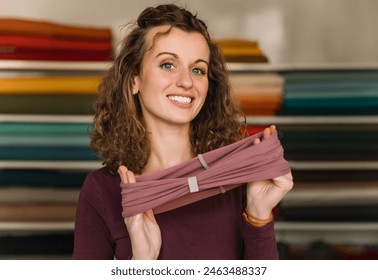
{"x":180,"y":99}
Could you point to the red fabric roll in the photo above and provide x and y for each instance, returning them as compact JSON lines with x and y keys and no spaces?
{"x":55,"y":55}
{"x":229,"y":166}
{"x":25,"y":42}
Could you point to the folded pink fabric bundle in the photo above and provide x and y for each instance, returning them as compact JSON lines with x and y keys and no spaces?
{"x":206,"y":175}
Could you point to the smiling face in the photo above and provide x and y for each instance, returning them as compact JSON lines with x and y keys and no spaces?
{"x":173,"y":81}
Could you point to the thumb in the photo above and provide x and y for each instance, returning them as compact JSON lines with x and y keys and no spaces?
{"x":122,"y":171}
{"x":150,"y":214}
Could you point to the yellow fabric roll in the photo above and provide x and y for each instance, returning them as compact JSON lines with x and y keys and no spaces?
{"x":242,"y":51}
{"x":236,"y":43}
{"x":50,"y":85}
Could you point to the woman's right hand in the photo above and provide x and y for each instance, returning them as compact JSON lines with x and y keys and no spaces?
{"x":143,"y":229}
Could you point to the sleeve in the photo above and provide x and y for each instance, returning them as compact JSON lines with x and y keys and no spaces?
{"x":92,"y":239}
{"x":259,"y":242}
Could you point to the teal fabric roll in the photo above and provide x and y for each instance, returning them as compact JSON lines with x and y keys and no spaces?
{"x":45,"y":141}
{"x":329,"y":142}
{"x":42,"y":178}
{"x":330,"y":93}
{"x":57,"y":153}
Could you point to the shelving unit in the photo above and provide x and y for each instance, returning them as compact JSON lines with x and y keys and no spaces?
{"x":355,"y":233}
{"x":29,"y":228}
{"x":350,"y":233}
{"x":14,"y":232}
{"x":320,"y":194}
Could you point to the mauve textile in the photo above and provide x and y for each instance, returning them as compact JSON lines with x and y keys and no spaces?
{"x":228,"y":166}
{"x":211,"y":228}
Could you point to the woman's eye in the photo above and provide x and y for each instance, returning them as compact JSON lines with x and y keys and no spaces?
{"x":199,"y":71}
{"x":167,"y":66}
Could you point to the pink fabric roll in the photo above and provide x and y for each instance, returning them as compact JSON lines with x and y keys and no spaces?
{"x":227,"y":167}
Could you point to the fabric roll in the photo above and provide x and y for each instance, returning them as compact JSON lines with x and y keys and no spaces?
{"x":325,"y":106}
{"x":258,"y":94}
{"x":38,"y":195}
{"x":330,"y":142}
{"x":259,"y":104}
{"x":236,"y":42}
{"x":24,"y":42}
{"x":342,"y":92}
{"x":323,"y":176}
{"x":235,"y":57}
{"x":346,"y":213}
{"x":54,"y":153}
{"x":50,"y":85}
{"x":256,"y":79}
{"x":52,"y":29}
{"x":253,"y":129}
{"x":341,"y":193}
{"x":229,"y":166}
{"x":30,"y":212}
{"x":271,"y":91}
{"x":25,"y":39}
{"x":45,"y":48}
{"x":34,"y":129}
{"x":56,"y":55}
{"x":66,"y":179}
{"x":49,"y":104}
{"x":39,"y":245}
{"x":44,"y":140}
{"x":241,"y":50}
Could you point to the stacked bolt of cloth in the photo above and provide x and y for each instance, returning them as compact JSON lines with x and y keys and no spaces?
{"x":258,"y":93}
{"x":25,"y":39}
{"x":241,"y":50}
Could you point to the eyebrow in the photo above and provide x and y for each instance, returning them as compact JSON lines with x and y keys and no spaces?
{"x":176,"y":56}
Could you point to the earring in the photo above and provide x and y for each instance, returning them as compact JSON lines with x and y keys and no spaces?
{"x":135,"y":92}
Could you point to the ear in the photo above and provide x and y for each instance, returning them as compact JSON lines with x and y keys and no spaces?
{"x":135,"y":85}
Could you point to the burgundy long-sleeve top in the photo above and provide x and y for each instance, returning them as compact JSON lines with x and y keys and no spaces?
{"x":212,"y":228}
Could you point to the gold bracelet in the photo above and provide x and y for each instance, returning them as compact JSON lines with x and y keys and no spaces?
{"x":257,"y":222}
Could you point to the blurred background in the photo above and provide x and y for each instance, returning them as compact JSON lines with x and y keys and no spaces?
{"x":310,"y":67}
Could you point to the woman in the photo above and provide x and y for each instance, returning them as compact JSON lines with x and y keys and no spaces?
{"x":165,"y":100}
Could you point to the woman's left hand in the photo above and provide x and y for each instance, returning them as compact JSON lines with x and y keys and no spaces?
{"x":263,"y":196}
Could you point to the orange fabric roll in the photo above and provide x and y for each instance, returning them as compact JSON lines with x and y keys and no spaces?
{"x":51,"y":29}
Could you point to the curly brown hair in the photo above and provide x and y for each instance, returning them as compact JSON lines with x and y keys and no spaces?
{"x":118,"y":133}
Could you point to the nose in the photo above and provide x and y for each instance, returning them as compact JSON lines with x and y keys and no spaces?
{"x":184,"y":79}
